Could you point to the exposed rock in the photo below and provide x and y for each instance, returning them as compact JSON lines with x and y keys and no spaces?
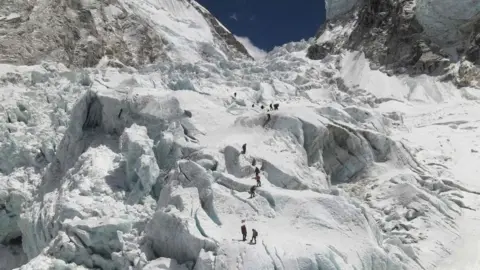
{"x":398,"y":36}
{"x":80,"y":34}
{"x":473,"y":54}
{"x":319,"y":51}
{"x":222,"y":34}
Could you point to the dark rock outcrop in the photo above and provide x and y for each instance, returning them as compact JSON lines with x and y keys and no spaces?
{"x":390,"y":35}
{"x":319,"y":51}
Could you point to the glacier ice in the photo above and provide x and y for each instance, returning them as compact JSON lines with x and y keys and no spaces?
{"x":136,"y":164}
{"x":126,"y":179}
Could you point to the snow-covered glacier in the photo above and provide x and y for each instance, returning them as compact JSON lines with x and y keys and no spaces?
{"x":125,"y":163}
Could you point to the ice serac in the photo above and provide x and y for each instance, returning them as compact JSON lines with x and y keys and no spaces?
{"x":173,"y":229}
{"x":413,"y":37}
{"x":98,"y":189}
{"x":141,"y":167}
{"x":81,"y":33}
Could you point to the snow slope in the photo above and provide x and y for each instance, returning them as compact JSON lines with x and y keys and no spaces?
{"x":140,"y":167}
{"x":454,"y":151}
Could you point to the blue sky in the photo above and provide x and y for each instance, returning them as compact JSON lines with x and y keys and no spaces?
{"x":269,"y":23}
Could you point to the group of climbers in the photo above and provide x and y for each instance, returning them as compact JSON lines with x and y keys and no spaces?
{"x":272,"y":107}
{"x":257,"y":172}
{"x":244,"y":233}
{"x":259,"y":183}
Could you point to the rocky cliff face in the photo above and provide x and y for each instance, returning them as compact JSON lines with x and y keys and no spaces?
{"x":407,"y":36}
{"x":80,"y":33}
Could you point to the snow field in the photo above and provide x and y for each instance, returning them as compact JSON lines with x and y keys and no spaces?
{"x":140,"y":170}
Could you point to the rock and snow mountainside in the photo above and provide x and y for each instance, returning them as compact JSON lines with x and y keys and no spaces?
{"x":135,"y":163}
{"x":438,"y":38}
{"x":79,"y":33}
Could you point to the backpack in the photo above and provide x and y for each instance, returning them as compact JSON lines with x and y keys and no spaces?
{"x":255,"y":233}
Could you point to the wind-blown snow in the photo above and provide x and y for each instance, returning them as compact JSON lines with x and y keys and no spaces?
{"x":124,"y":168}
{"x":253,"y":50}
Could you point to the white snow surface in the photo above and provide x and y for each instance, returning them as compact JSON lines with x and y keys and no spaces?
{"x":178,"y":22}
{"x":123,"y":168}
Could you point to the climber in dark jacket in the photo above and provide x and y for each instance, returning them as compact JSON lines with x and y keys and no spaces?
{"x":257,"y":177}
{"x":252,"y":191}
{"x":254,"y":236}
{"x":275,"y":106}
{"x":244,"y":232}
{"x":257,"y":171}
{"x":244,"y":148}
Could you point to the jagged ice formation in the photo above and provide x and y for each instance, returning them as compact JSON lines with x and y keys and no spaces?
{"x":124,"y":151}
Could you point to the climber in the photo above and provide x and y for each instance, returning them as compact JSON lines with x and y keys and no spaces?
{"x":275,"y":106}
{"x":271,"y":107}
{"x":257,"y":177}
{"x":257,"y":170}
{"x":254,"y":162}
{"x":254,"y":236}
{"x":244,"y":148}
{"x":235,"y":94}
{"x":244,"y":231}
{"x":268,"y":117}
{"x":252,"y":191}
{"x":187,"y":113}
{"x":262,"y":107}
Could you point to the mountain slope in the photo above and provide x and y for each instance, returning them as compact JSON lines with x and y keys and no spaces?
{"x":414,"y":37}
{"x":139,"y":167}
{"x":80,"y":33}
